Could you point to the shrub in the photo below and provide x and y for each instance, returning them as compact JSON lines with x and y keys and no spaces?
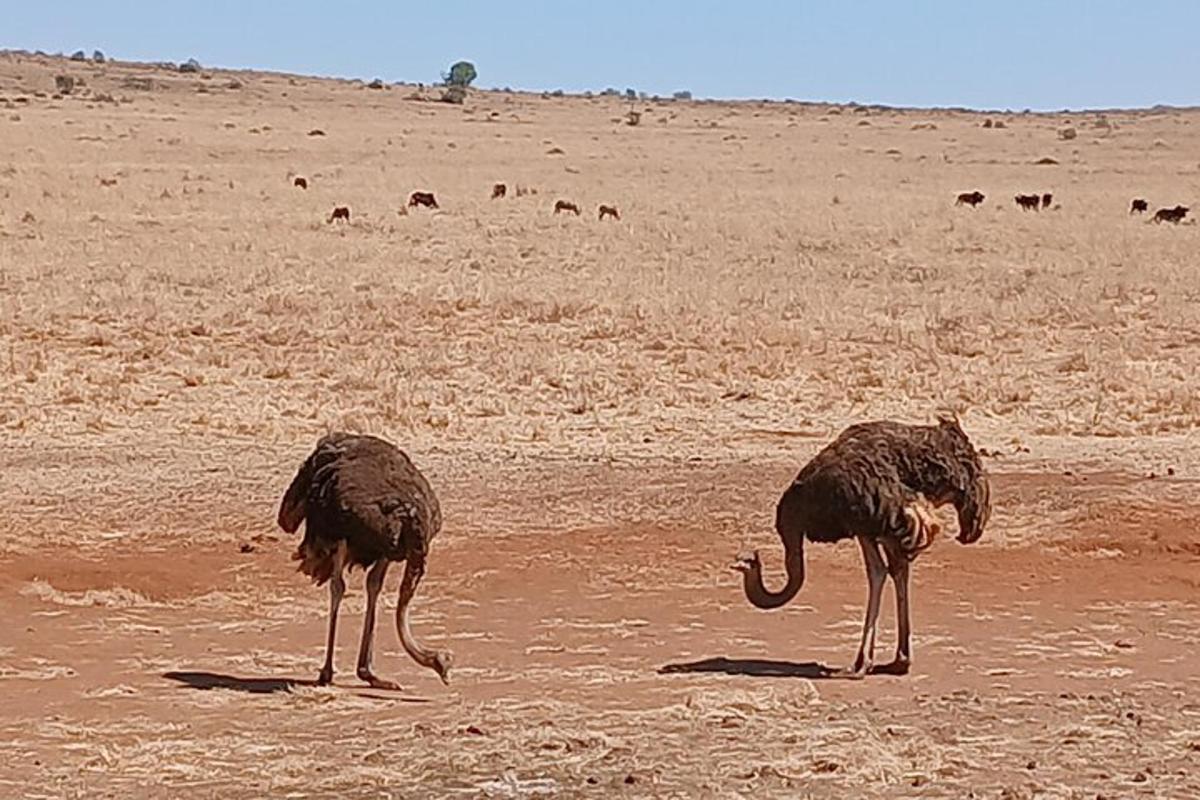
{"x":454,"y":94}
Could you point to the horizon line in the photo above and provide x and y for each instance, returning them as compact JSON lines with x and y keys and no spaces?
{"x":608,"y":91}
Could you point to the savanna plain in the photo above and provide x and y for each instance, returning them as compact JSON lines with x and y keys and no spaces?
{"x":609,"y":412}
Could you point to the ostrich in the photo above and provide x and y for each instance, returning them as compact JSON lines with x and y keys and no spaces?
{"x":366,"y":505}
{"x":877,"y":483}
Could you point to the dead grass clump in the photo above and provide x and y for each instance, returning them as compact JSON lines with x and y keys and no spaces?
{"x":116,"y":597}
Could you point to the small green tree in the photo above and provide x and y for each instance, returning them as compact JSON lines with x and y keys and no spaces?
{"x":461,"y":74}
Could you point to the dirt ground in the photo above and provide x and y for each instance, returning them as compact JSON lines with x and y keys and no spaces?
{"x":612,"y":410}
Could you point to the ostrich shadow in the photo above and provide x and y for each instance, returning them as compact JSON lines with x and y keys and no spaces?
{"x":204,"y":681}
{"x":754,"y":667}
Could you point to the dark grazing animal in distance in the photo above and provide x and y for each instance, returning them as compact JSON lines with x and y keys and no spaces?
{"x":1028,"y":202}
{"x":498,"y":191}
{"x":877,"y":483}
{"x":365,"y":505}
{"x":1175,"y":214}
{"x":422,"y":199}
{"x":563,"y":205}
{"x":971,"y":199}
{"x":1047,"y":199}
{"x":300,"y":182}
{"x":340,"y":212}
{"x":1139,"y":206}
{"x":609,"y":211}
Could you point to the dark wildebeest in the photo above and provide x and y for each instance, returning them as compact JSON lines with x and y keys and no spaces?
{"x":340,"y":212}
{"x":1139,"y":206}
{"x":300,"y":182}
{"x":563,"y":205}
{"x":1028,"y":202}
{"x":1175,"y":214}
{"x":498,"y":191}
{"x":422,"y":199}
{"x":970,"y":198}
{"x":1047,"y":198}
{"x":609,"y":211}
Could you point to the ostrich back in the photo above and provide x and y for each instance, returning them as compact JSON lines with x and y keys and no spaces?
{"x":362,"y":493}
{"x":861,"y":482}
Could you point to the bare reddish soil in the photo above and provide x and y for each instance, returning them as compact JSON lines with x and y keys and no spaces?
{"x":617,"y":657}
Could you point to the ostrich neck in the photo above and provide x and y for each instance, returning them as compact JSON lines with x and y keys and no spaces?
{"x":414,"y":568}
{"x":419,"y":653}
{"x":758,"y":594}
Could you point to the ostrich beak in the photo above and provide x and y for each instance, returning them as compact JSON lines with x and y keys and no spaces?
{"x":744,"y":562}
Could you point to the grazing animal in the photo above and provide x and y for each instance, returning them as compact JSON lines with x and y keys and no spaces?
{"x":1047,"y":198}
{"x":498,"y":191}
{"x":366,"y":505}
{"x":969,"y":198}
{"x":300,"y":182}
{"x":563,"y":205}
{"x":1028,"y":202}
{"x":876,"y":483}
{"x":340,"y":212}
{"x":1175,"y":214}
{"x":609,"y":211}
{"x":422,"y":199}
{"x":1139,"y":206}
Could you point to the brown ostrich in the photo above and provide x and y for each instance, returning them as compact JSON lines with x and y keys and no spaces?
{"x":499,"y":191}
{"x":971,"y":199}
{"x":563,"y":205}
{"x":422,"y":199}
{"x":340,"y":212}
{"x":1139,"y":206}
{"x":366,"y":505}
{"x":876,"y":483}
{"x":609,"y":211}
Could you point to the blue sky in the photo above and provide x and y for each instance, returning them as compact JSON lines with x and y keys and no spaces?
{"x":977,"y":53}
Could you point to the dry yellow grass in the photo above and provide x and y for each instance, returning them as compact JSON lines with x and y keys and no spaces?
{"x":804,"y":258}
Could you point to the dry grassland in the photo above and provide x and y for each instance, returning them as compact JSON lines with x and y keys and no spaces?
{"x":609,"y":411}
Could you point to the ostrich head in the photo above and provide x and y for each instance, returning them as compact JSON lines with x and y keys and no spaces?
{"x":747,"y":562}
{"x":443,"y":660}
{"x":971,"y":494}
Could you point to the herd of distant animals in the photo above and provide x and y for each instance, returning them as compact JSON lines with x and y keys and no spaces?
{"x":1032,"y":202}
{"x":365,"y":504}
{"x":428,"y":200}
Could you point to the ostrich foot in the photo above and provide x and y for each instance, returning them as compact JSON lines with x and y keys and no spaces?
{"x":325,"y":677}
{"x":899,"y":666}
{"x":855,"y":673}
{"x":378,"y":683}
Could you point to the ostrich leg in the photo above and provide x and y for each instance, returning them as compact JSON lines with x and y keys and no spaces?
{"x":876,"y":577}
{"x":899,"y":565}
{"x":374,"y":585}
{"x":337,"y":588}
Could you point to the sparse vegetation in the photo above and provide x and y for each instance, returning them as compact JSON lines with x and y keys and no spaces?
{"x":609,"y":410}
{"x":454,"y":94}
